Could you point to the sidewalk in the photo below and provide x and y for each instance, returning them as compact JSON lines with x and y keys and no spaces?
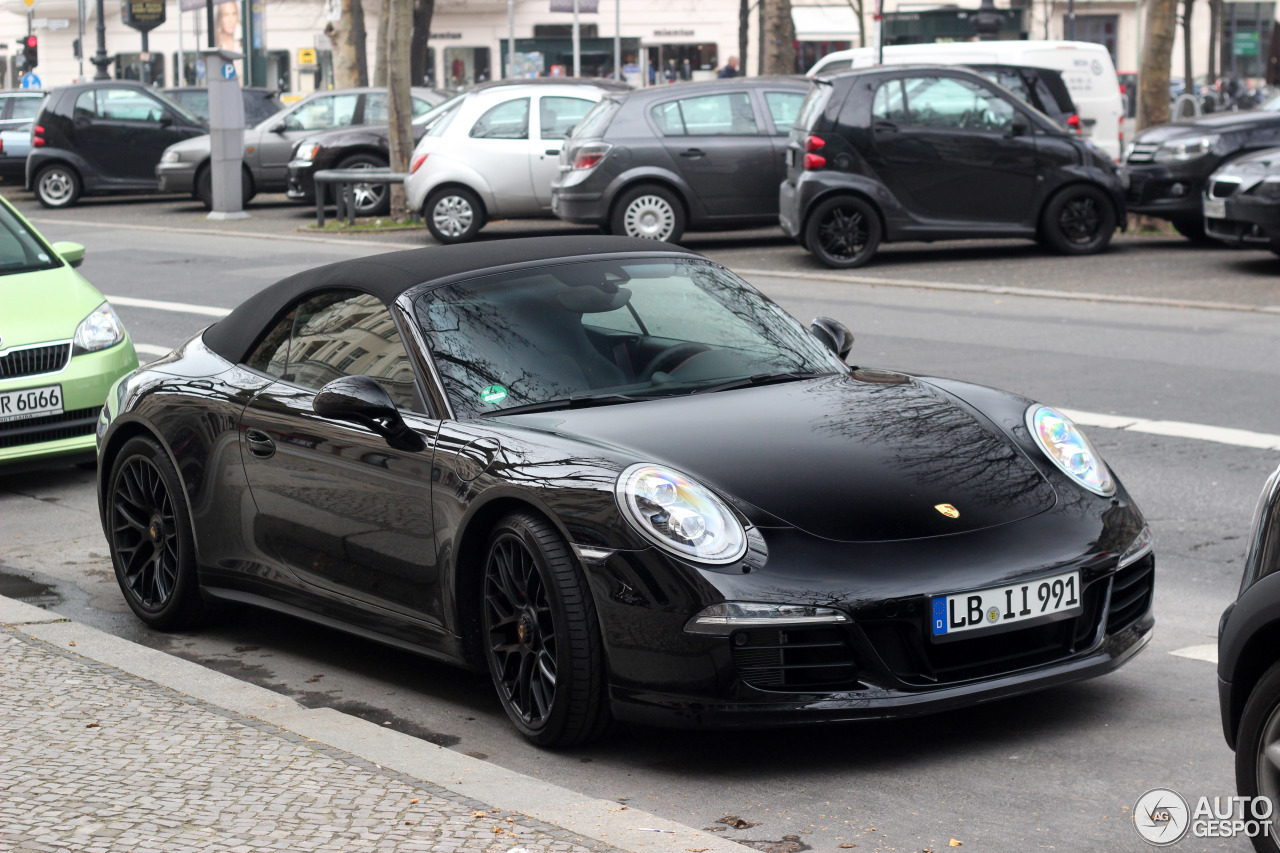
{"x":109,"y":746}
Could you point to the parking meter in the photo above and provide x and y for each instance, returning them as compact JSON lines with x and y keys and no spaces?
{"x":226,"y":132}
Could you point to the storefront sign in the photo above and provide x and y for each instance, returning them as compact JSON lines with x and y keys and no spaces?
{"x":448,"y":36}
{"x":588,"y":7}
{"x":1246,"y":43}
{"x":306,"y":56}
{"x":142,"y":15}
{"x":673,"y":33}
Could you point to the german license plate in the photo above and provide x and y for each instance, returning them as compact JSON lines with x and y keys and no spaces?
{"x":1215,"y":208}
{"x":30,"y":403}
{"x":1046,"y":599}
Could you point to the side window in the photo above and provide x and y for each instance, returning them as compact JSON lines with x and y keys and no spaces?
{"x":323,"y":112}
{"x":375,"y":108}
{"x":86,"y":105}
{"x":128,"y":105}
{"x":345,"y":333}
{"x":420,"y":107}
{"x":558,"y":116}
{"x":784,"y":107}
{"x":948,"y":103}
{"x":26,"y":107}
{"x":729,"y":114}
{"x":889,"y":104}
{"x":508,"y":120}
{"x":667,"y":118}
{"x":271,"y":355}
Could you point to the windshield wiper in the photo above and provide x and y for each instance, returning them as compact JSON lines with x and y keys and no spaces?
{"x":581,"y":401}
{"x":761,"y":379}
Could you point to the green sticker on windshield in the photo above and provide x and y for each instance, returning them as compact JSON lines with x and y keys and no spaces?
{"x":493,"y":394}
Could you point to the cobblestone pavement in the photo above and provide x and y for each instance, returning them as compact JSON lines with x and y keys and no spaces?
{"x":94,"y":759}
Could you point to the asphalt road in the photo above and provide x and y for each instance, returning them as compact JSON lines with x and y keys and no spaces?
{"x":1060,"y":769}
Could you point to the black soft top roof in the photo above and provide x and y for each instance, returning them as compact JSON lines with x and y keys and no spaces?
{"x":389,"y":275}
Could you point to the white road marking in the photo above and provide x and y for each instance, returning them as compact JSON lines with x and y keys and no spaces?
{"x":1178,"y":429}
{"x":152,"y":349}
{"x":158,"y":305}
{"x":336,"y":240}
{"x":1208,"y":654}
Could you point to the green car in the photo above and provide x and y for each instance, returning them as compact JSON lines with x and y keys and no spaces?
{"x":61,"y":349}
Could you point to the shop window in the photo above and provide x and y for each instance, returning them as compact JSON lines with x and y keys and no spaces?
{"x":464,"y":67}
{"x":129,"y":66}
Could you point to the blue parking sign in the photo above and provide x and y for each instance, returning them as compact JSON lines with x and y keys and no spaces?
{"x":228,"y":71}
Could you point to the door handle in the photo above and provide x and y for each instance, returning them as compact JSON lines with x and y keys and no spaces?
{"x":554,"y":152}
{"x":886,"y":126}
{"x":693,"y":153}
{"x":260,"y":444}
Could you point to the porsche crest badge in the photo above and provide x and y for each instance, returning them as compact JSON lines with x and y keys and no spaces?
{"x":948,"y":510}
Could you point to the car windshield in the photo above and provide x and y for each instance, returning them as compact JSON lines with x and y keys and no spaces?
{"x":20,"y":249}
{"x":177,"y":107}
{"x":608,"y":331}
{"x":1271,"y":105}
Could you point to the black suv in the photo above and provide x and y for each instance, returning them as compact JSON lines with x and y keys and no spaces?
{"x":659,"y":161}
{"x":1169,"y":165}
{"x":938,"y":153}
{"x":103,"y":137}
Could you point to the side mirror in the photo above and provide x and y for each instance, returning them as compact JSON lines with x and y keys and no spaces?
{"x":72,"y":253}
{"x":1019,"y":127}
{"x":833,"y":334}
{"x":361,"y":400}
{"x":278,"y":127}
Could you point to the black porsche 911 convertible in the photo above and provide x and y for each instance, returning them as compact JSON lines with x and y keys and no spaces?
{"x":627,"y":484}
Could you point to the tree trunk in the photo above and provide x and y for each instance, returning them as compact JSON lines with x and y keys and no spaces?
{"x":1215,"y":22}
{"x":744,"y":31}
{"x":780,"y":39}
{"x":346,"y":33}
{"x":422,"y":12}
{"x":380,"y":65}
{"x":1188,"y":73}
{"x":1157,"y":54}
{"x":399,"y":104}
{"x":762,"y":14}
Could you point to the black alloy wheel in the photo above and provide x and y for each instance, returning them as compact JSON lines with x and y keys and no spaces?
{"x":370,"y":199}
{"x":150,"y":537}
{"x":843,"y":232}
{"x":541,"y":636}
{"x":1258,"y":753}
{"x":1079,"y":220}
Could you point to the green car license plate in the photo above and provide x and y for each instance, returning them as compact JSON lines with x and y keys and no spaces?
{"x":30,"y":403}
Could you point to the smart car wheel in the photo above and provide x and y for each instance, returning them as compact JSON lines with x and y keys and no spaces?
{"x":58,"y":186}
{"x":204,"y":187}
{"x":1079,"y":221}
{"x":541,"y":636}
{"x":651,"y":212}
{"x":454,"y":215}
{"x":843,"y":232}
{"x":1258,"y":749}
{"x":370,"y":199}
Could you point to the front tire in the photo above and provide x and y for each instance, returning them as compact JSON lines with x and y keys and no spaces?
{"x":150,"y":538}
{"x":650,"y":212}
{"x":454,"y":215}
{"x":58,"y":186}
{"x":1257,"y":774}
{"x":204,"y":187}
{"x":541,"y":635}
{"x":843,"y":232}
{"x":370,"y":199}
{"x":1079,"y":220}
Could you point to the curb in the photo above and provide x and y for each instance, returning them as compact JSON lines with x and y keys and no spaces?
{"x":608,"y":822}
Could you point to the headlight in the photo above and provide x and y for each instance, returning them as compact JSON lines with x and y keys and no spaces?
{"x":1064,"y":443}
{"x":171,"y":157}
{"x":728,"y":616}
{"x":680,"y":515}
{"x":306,"y":150}
{"x":99,"y":330}
{"x":1186,"y":149}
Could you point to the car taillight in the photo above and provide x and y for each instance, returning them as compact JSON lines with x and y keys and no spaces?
{"x":814,"y":161}
{"x":1073,"y":122}
{"x":418,"y":160}
{"x":36,"y":139}
{"x":813,"y":143}
{"x":589,"y":156}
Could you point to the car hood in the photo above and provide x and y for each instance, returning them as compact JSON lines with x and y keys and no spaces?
{"x":36,"y":307}
{"x":1266,"y":161}
{"x":860,"y":458}
{"x":1217,"y":123}
{"x":196,"y":144}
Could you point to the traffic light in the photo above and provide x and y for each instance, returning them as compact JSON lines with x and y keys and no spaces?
{"x":29,"y":47}
{"x":75,"y":49}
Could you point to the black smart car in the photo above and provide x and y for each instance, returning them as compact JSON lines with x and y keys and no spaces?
{"x":691,"y":156}
{"x":627,"y":484}
{"x":1168,"y":166}
{"x":103,"y":137}
{"x":1249,"y":665}
{"x":1242,"y":202}
{"x":938,"y":153}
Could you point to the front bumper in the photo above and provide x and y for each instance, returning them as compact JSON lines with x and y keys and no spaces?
{"x":301,"y":184}
{"x":176,"y":177}
{"x":1250,"y":222}
{"x":1167,"y":191}
{"x":69,"y":436}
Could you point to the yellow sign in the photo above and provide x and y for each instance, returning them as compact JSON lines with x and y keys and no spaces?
{"x":306,"y":55}
{"x":948,"y":510}
{"x":29,"y":3}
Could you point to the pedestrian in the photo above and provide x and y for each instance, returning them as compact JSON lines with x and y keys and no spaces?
{"x":730,"y":68}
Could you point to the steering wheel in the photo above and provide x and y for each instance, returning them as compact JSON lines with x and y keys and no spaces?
{"x":670,"y":359}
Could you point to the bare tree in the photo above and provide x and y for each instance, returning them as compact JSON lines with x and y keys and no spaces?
{"x":1157,"y":55}
{"x":346,"y":33}
{"x":857,"y":7}
{"x":779,"y":34}
{"x":380,"y":64}
{"x":1187,"y":73}
{"x":744,"y":27}
{"x":399,"y":104}
{"x":422,"y":12}
{"x":1215,"y":23}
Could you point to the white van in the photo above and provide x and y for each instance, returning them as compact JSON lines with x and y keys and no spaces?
{"x":1086,"y":69}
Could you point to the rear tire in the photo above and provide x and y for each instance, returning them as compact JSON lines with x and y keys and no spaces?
{"x":370,"y":199}
{"x":843,"y":232}
{"x":1256,"y":775}
{"x":204,"y":187}
{"x":58,"y":186}
{"x":650,"y":212}
{"x":454,"y":215}
{"x":1079,"y":220}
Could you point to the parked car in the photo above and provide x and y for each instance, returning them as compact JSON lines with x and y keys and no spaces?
{"x":259,"y":104}
{"x":1086,"y":69}
{"x":62,"y":349}
{"x":18,"y":109}
{"x":1168,"y":166}
{"x":268,"y":146}
{"x":1242,"y":201}
{"x":1040,"y":88}
{"x":15,"y":145}
{"x":495,"y":153}
{"x":626,"y":483}
{"x":1249,"y":665}
{"x":690,"y":156}
{"x":103,"y":137}
{"x":938,"y":153}
{"x":360,"y":147}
